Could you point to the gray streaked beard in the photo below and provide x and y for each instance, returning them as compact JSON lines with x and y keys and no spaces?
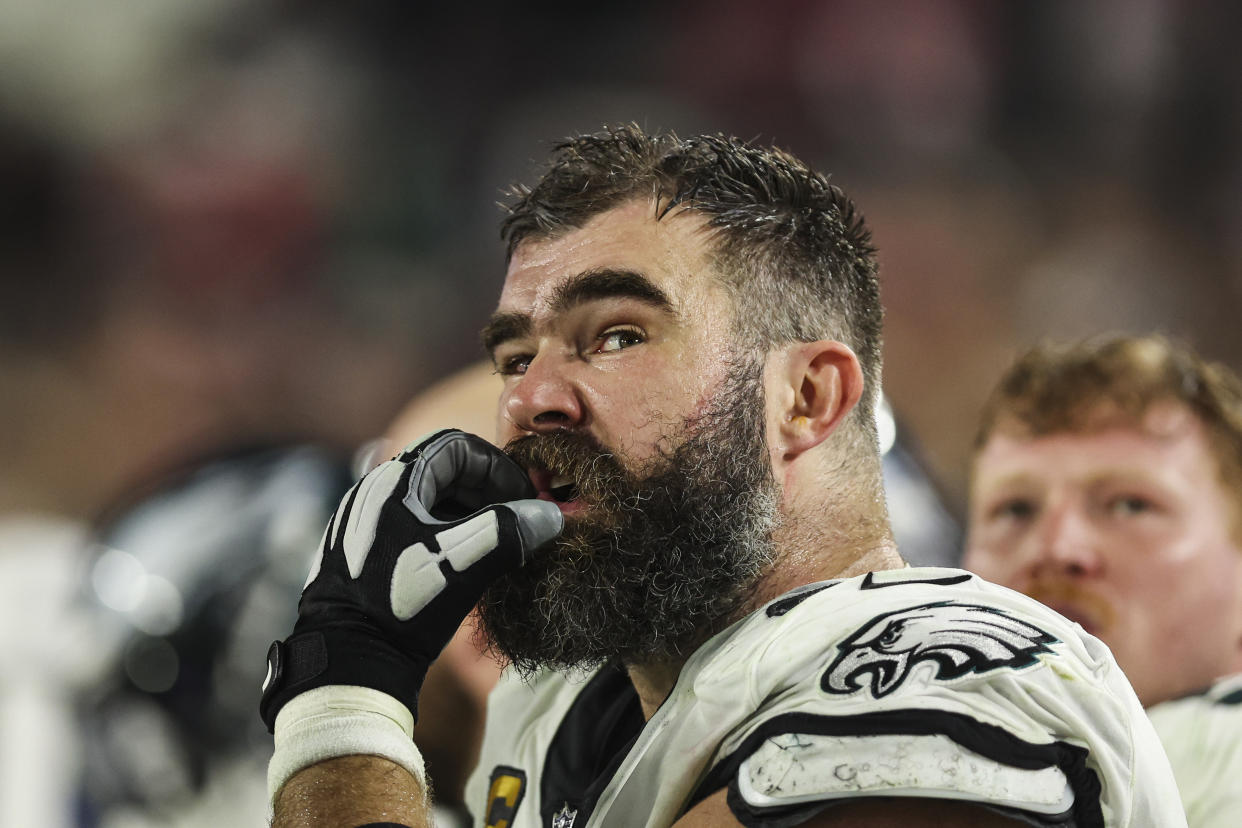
{"x":666,"y":555}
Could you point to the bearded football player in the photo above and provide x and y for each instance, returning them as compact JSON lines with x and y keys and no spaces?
{"x":684,"y":552}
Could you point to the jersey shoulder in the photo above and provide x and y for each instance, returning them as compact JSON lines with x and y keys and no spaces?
{"x":919,"y":635}
{"x":1219,"y":704}
{"x":927,"y":682}
{"x":1202,"y":735}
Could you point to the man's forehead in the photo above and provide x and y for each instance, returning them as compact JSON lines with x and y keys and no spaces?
{"x":672,"y":252}
{"x":1162,"y":420}
{"x":1167,"y":430}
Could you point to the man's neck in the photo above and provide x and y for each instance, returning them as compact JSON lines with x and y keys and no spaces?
{"x":653,"y":682}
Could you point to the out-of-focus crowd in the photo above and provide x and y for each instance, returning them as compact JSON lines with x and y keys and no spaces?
{"x":237,"y":238}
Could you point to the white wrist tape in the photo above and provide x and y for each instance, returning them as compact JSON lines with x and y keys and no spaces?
{"x":341,"y":720}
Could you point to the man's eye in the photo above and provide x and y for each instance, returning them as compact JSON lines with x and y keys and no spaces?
{"x":619,"y":339}
{"x":1014,"y":509}
{"x":1129,"y":505}
{"x":513,"y":365}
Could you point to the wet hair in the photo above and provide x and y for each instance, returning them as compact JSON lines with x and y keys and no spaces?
{"x":791,"y":248}
{"x":1088,"y":385}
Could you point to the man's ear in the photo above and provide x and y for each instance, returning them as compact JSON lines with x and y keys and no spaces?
{"x":821,"y":382}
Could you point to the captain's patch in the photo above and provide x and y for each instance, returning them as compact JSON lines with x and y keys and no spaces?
{"x":503,"y":796}
{"x":957,"y":638}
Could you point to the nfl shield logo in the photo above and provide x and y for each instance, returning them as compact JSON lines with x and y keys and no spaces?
{"x":564,"y":818}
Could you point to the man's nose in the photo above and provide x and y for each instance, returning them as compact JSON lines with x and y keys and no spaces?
{"x":545,"y":398}
{"x":1067,"y":542}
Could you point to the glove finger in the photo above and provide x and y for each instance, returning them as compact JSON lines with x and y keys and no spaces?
{"x":421,"y":575}
{"x":538,"y":522}
{"x":374,"y":491}
{"x":317,"y":563}
{"x":332,"y":532}
{"x":475,"y":554}
{"x":415,"y":448}
{"x":504,"y":480}
{"x":457,"y":474}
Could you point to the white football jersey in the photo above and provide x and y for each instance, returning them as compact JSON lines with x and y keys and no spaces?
{"x":1202,"y":735}
{"x":920,"y":682}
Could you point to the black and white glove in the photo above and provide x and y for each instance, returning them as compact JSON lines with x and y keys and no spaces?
{"x":405,"y":558}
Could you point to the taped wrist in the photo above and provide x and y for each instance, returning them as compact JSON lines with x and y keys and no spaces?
{"x":341,"y":720}
{"x":337,"y":656}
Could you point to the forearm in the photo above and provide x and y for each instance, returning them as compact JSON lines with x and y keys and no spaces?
{"x":351,"y":791}
{"x":344,"y":758}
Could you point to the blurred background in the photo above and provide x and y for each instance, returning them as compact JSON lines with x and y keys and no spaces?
{"x":237,"y":238}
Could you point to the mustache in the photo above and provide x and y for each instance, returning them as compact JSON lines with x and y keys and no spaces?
{"x":1079,"y":604}
{"x":597,"y":473}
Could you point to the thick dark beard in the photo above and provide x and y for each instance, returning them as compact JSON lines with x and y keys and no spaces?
{"x":667,"y":554}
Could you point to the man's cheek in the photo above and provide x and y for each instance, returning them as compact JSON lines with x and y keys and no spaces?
{"x":979,"y":561}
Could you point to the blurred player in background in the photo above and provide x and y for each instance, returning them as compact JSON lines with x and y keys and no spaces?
{"x":1107,"y":483}
{"x":166,"y":461}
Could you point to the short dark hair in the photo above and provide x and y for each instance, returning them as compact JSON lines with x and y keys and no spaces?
{"x":791,"y":247}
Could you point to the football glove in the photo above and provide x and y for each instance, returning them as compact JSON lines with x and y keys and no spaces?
{"x":405,"y":558}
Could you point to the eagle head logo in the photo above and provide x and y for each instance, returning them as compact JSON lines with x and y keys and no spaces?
{"x":958,"y":638}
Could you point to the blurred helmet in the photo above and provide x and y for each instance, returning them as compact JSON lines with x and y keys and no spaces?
{"x":190,"y":582}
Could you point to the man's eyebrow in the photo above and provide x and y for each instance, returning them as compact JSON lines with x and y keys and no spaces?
{"x":588,"y":286}
{"x":1008,"y":480}
{"x":505,"y":326}
{"x":607,"y":283}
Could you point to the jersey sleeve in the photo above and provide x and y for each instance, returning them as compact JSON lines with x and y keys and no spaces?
{"x":1202,"y":735}
{"x":940,"y":688}
{"x":796,"y":772}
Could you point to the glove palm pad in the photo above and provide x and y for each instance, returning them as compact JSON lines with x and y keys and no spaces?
{"x":405,"y":558}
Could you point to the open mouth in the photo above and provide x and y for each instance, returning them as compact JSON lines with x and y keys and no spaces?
{"x":561,"y":489}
